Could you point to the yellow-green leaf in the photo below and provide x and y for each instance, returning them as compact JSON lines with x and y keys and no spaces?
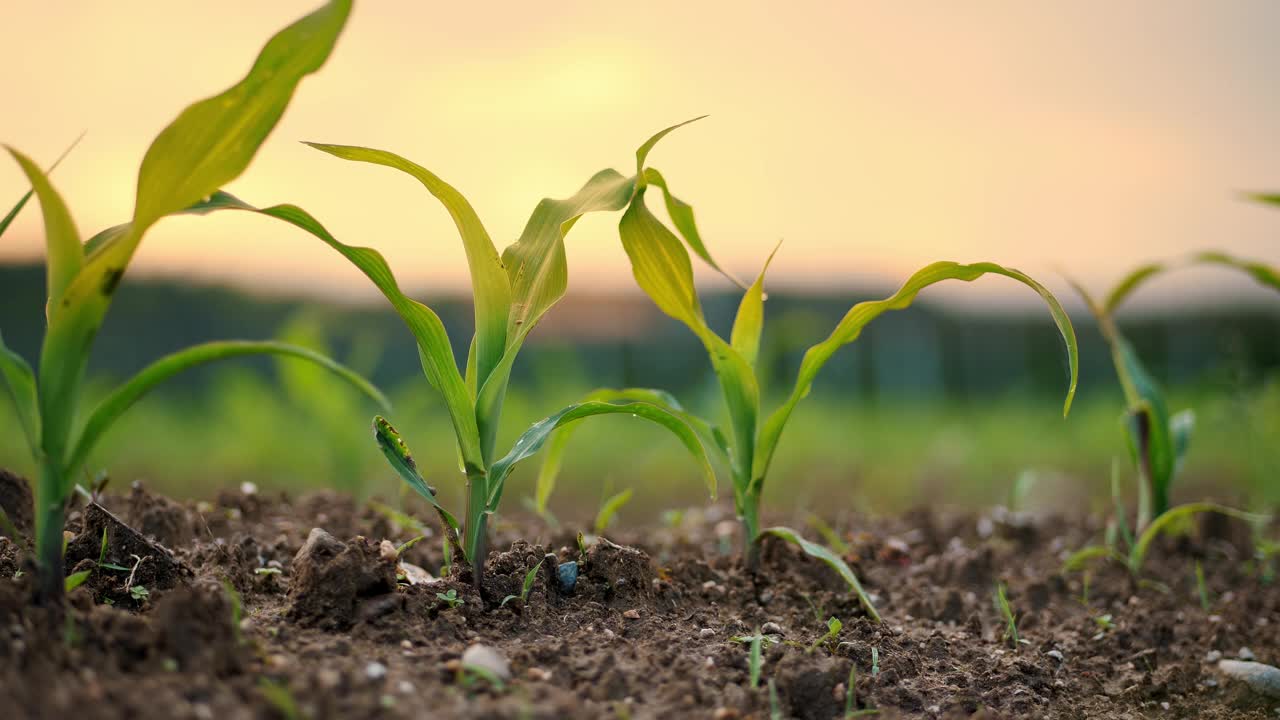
{"x":62,"y":240}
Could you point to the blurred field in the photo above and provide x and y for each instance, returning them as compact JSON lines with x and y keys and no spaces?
{"x":836,"y":455}
{"x":929,"y":407}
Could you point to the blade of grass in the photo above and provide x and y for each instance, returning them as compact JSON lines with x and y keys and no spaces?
{"x":610,"y":508}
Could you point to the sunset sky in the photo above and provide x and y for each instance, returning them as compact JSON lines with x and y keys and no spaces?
{"x":872,"y":138}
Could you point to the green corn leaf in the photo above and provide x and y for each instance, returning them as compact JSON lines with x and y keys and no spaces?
{"x":863,"y":313}
{"x":1169,"y":518}
{"x":1151,"y":444}
{"x":62,"y":240}
{"x":21,"y":383}
{"x":1181,"y":426}
{"x":1267,"y":198}
{"x":662,"y":269}
{"x":554,"y":454}
{"x":115,"y":404}
{"x":434,"y":349}
{"x":610,"y":508}
{"x":749,"y":322}
{"x":681,"y":214}
{"x":490,"y":287}
{"x":1129,"y":283}
{"x":536,"y":436}
{"x":9,"y":217}
{"x":208,"y":145}
{"x":398,"y":455}
{"x":1262,"y":273}
{"x":833,"y":561}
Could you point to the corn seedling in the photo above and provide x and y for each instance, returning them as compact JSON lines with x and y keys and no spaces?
{"x":608,"y":509}
{"x":834,"y":626}
{"x":755,"y":662}
{"x":529,"y":579}
{"x":1157,"y":441}
{"x":662,"y":268}
{"x":1007,"y":614}
{"x":207,"y":146}
{"x":511,"y":293}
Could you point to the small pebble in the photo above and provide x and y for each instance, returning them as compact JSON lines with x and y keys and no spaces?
{"x":631,"y":614}
{"x":706,"y":633}
{"x":771,"y":628}
{"x":1245,"y":654}
{"x":1213,"y":656}
{"x":1056,"y":655}
{"x":483,"y":656}
{"x":567,"y":576}
{"x":406,"y":644}
{"x":1263,"y":679}
{"x":724,"y":713}
{"x":609,"y":634}
{"x":405,"y":687}
{"x":387,"y":551}
{"x":710,"y":662}
{"x":329,"y":678}
{"x":375,"y":671}
{"x":537,"y":673}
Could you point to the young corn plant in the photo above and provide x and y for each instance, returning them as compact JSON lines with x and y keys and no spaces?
{"x":512,"y":291}
{"x":663,"y":269}
{"x":1157,"y":441}
{"x":208,"y":145}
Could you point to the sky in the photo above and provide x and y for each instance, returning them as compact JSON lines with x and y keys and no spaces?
{"x":871,"y":138}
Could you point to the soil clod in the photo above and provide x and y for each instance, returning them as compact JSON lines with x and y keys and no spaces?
{"x":330,"y":578}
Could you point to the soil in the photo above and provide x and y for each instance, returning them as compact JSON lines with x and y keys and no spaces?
{"x":266,"y":607}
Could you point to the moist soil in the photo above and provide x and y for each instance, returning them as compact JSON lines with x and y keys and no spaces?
{"x":270,"y":607}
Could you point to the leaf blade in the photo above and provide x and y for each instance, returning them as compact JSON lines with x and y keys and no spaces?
{"x":62,"y":240}
{"x":21,"y":384}
{"x":833,"y":561}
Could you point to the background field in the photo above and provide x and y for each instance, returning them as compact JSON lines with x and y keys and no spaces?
{"x":932,"y":404}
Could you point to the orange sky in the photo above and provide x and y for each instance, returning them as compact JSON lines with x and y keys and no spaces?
{"x":872,"y":137}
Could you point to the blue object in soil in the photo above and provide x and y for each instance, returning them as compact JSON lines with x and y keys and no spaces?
{"x":567,"y":574}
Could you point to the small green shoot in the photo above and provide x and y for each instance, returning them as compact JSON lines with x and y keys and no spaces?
{"x":1007,"y":614}
{"x":237,"y":609}
{"x":450,"y":598}
{"x":775,"y":706}
{"x":829,"y":536}
{"x":756,"y":659}
{"x":76,"y":579}
{"x":834,"y":626}
{"x":279,"y":697}
{"x":400,"y":550}
{"x":529,"y":579}
{"x":469,"y":676}
{"x":851,"y":709}
{"x":582,"y":546}
{"x":608,"y":509}
{"x":1104,"y":621}
{"x":139,"y":593}
{"x":1202,"y":588}
{"x":267,"y":571}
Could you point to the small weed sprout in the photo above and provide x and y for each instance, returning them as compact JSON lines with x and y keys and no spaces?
{"x":1007,"y":614}
{"x":663,"y":269}
{"x":139,"y":593}
{"x":1202,"y":588}
{"x":775,"y":706}
{"x":875,"y":661}
{"x":529,"y":579}
{"x":450,"y":598}
{"x":834,"y":626}
{"x":208,"y":145}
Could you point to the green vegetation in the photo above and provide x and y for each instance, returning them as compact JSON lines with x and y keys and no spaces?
{"x":663,"y":269}
{"x":208,"y":145}
{"x":1007,"y":614}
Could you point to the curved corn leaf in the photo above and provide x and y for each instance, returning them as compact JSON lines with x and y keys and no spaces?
{"x":1080,"y":559}
{"x":398,"y":455}
{"x":434,"y":349}
{"x":610,"y":508}
{"x":1151,"y":444}
{"x":1138,"y":555}
{"x":1263,"y":274}
{"x":75,"y":580}
{"x":62,"y":240}
{"x":552,"y":457}
{"x":850,"y":327}
{"x":9,"y":217}
{"x":749,"y":322}
{"x":21,"y":383}
{"x":491,"y":290}
{"x":115,"y":404}
{"x":1181,"y":426}
{"x":662,"y":269}
{"x":208,"y":145}
{"x":832,"y":561}
{"x":1267,"y":198}
{"x":536,"y":436}
{"x":681,"y":214}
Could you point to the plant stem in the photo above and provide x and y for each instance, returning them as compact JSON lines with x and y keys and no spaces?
{"x":749,"y":515}
{"x":50,"y":511}
{"x":476,"y":531}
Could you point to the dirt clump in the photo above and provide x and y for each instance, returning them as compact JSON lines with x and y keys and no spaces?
{"x":16,"y":503}
{"x":329,"y":579}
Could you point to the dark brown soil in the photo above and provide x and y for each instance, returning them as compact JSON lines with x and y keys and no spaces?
{"x":270,"y":608}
